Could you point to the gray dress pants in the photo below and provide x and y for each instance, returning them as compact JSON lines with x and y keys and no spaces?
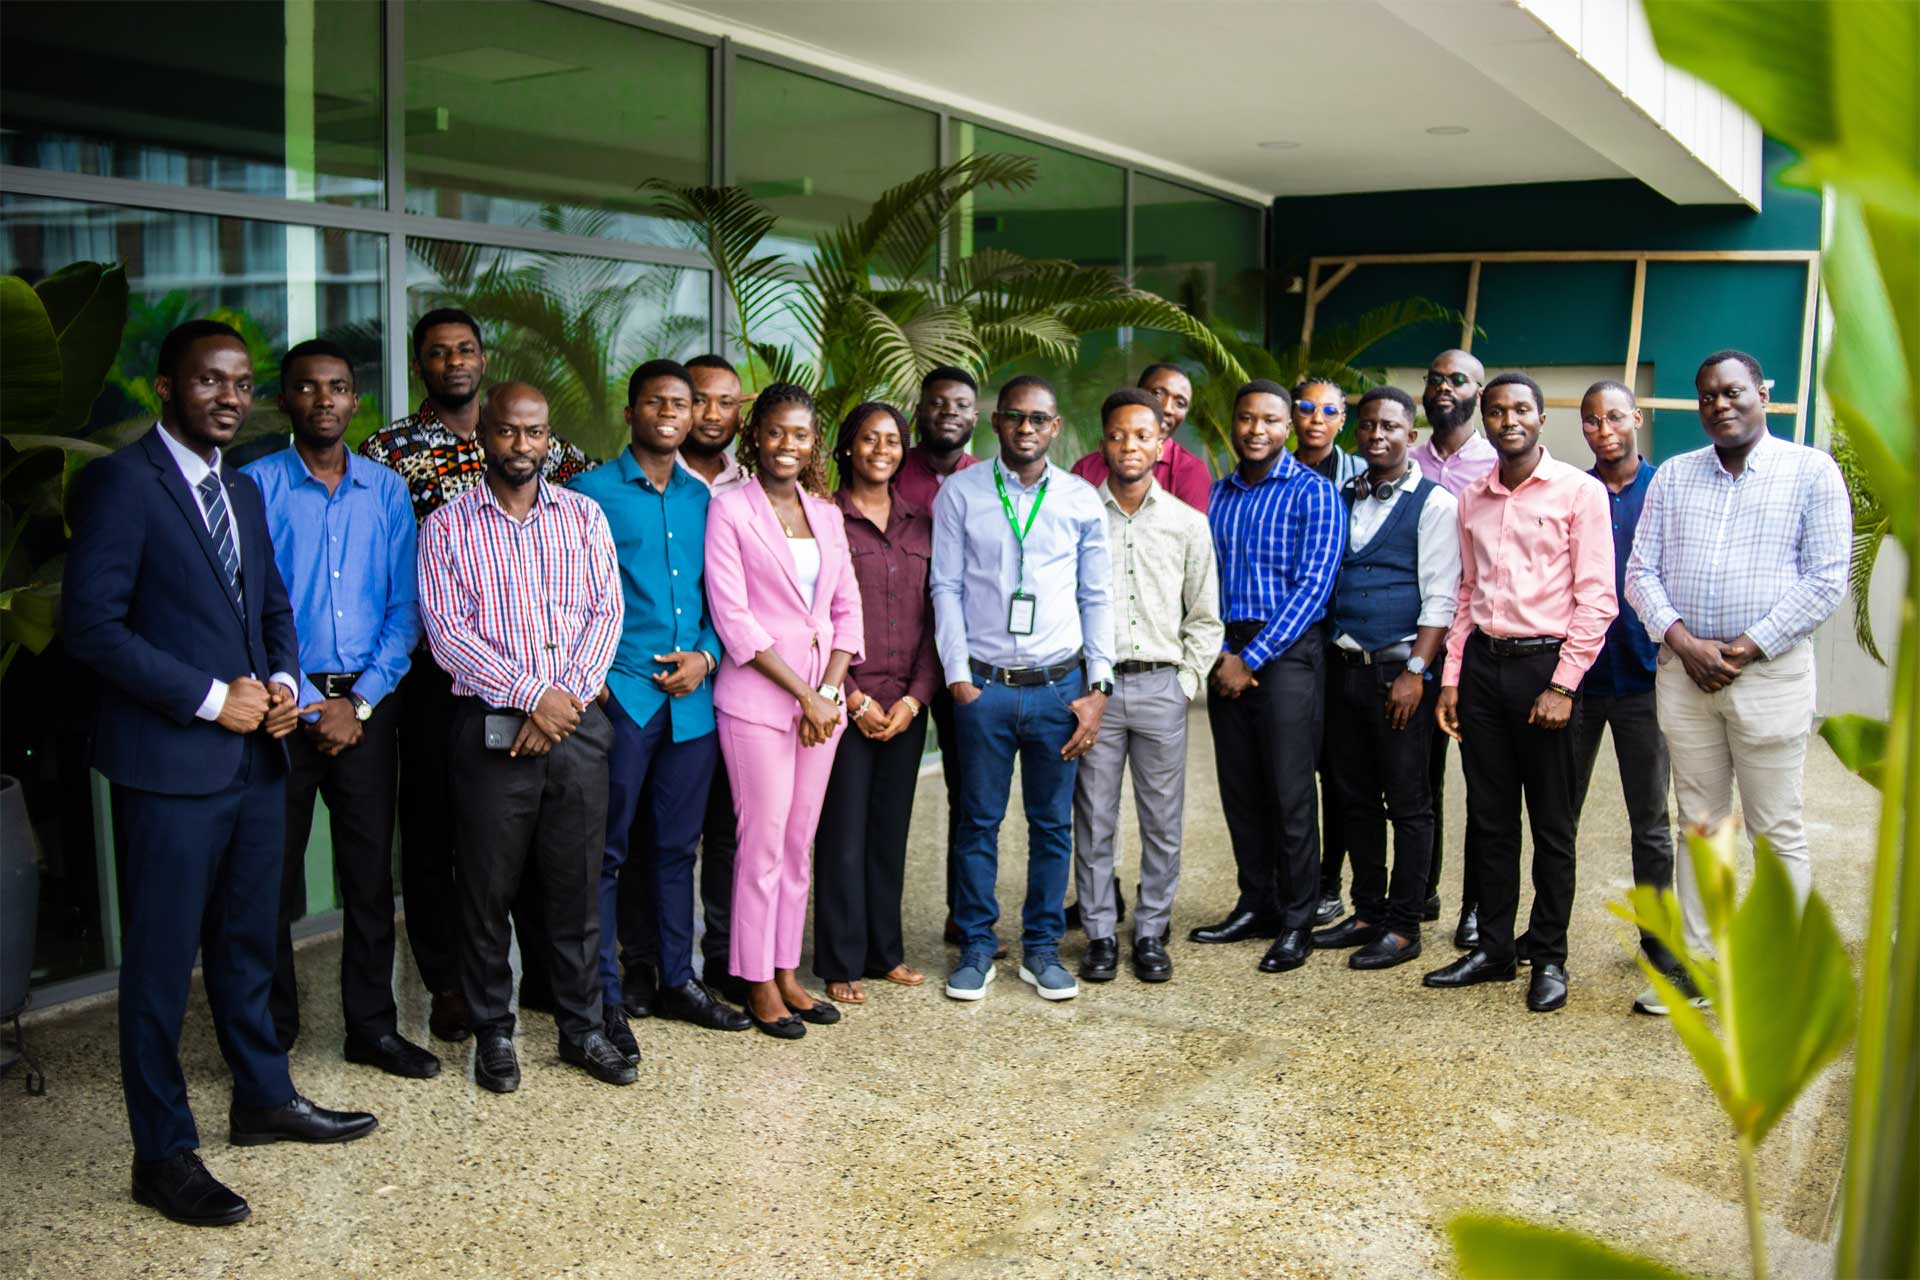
{"x":1146,"y":726}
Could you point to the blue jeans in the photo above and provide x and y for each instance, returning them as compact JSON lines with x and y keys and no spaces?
{"x":647,"y":766}
{"x":1033,"y":723}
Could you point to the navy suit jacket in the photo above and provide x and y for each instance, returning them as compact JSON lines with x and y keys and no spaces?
{"x":146,"y":607}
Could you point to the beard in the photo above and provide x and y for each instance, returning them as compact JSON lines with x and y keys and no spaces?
{"x":701,"y":449}
{"x":1451,"y":420}
{"x":456,"y":401}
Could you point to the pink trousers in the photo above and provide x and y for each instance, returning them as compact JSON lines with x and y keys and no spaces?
{"x":777,"y":789}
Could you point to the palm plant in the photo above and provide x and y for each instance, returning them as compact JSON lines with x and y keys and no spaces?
{"x":1871,"y":524}
{"x":879,"y":304}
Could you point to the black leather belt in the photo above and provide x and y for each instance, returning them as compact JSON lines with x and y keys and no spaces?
{"x":1518,"y":646}
{"x":1021,"y":676}
{"x":333,"y":684}
{"x":1359,"y":658}
{"x":1131,"y":667}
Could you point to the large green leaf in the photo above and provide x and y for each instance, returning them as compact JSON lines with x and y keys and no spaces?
{"x":1861,"y":744}
{"x":87,"y":304}
{"x":1490,"y":1248}
{"x":1867,"y":374}
{"x":30,"y":615}
{"x":30,"y":380}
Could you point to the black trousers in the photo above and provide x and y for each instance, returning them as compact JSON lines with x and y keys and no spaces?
{"x":949,"y":742}
{"x":860,"y":854}
{"x":428,"y":857}
{"x":719,"y":840}
{"x":538,"y":818}
{"x":359,"y":785}
{"x":1506,"y":759}
{"x":1379,"y":776}
{"x":1641,"y":751}
{"x":1265,"y":743}
{"x":1333,"y":819}
{"x":1437,"y":785}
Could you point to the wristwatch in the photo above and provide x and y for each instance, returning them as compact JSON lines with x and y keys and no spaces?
{"x":1101,"y":686}
{"x":831,"y":692}
{"x":1417,"y":665}
{"x":362,"y":709}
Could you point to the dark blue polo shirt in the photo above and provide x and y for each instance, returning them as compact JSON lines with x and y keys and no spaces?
{"x":1626,"y":662}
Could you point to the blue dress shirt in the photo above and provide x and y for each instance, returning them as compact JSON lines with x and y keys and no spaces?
{"x":1626,"y":662}
{"x":660,"y":539}
{"x":1279,"y":543}
{"x":347,"y":558}
{"x":977,"y":562}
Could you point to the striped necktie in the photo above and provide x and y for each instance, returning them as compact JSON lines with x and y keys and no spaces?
{"x":220,"y":525}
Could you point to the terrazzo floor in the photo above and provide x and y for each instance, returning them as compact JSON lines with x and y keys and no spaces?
{"x":1323,"y":1123}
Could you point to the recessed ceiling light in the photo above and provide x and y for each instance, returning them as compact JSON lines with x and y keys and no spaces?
{"x":1447,"y":130}
{"x":1279,"y":144}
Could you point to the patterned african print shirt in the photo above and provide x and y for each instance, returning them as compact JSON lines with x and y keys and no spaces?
{"x":438,"y":466}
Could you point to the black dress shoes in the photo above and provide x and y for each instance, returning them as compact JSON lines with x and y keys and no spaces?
{"x":297,"y":1121}
{"x":1150,"y":960}
{"x":495,"y":1065}
{"x":639,"y":988}
{"x":1351,"y":932}
{"x":1289,"y":952}
{"x":394,"y":1054}
{"x":1474,"y":967}
{"x":595,"y":1054}
{"x":1328,"y":909}
{"x":1238,"y":927}
{"x":1385,"y":951}
{"x":1467,"y":936}
{"x":620,"y":1035}
{"x":729,"y":987}
{"x":787,"y":1028}
{"x":1430,"y":912}
{"x":1547,"y":989}
{"x":181,"y":1188}
{"x":692,"y":1002}
{"x":1102,"y":960}
{"x":448,"y":1020}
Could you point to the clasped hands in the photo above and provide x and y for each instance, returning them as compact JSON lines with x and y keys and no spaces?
{"x":1711,"y":664}
{"x":879,"y":725}
{"x":251,"y":705}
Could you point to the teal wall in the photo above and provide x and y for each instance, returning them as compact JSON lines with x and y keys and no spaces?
{"x":1568,"y":313}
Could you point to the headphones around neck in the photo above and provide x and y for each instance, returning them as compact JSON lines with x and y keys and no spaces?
{"x":1358,"y":488}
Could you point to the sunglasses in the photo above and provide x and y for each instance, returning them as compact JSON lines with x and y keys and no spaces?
{"x":1039,"y":421}
{"x":1331,"y":408}
{"x":1457,"y":379}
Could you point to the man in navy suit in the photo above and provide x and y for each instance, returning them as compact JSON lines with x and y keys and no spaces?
{"x":172,"y":598}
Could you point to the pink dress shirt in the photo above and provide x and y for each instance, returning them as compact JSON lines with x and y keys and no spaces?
{"x":1460,"y":468}
{"x":1536,"y":561}
{"x":1180,"y":472}
{"x":918,"y":483}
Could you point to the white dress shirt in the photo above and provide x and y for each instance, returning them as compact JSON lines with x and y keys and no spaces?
{"x":1438,"y":566}
{"x":731,"y":476}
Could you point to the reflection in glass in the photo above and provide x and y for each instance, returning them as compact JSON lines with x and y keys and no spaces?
{"x":1202,"y":252}
{"x":271,"y":99}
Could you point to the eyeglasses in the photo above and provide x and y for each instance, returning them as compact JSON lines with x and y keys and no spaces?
{"x":1331,"y":408}
{"x":1457,"y":379}
{"x":1013,"y":418}
{"x":1614,"y":419}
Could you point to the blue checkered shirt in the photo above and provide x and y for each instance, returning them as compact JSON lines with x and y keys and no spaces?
{"x":1762,"y":554}
{"x":1279,"y":543}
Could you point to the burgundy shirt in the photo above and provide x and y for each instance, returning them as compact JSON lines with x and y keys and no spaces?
{"x":919,"y":483}
{"x":1179,"y":471}
{"x":891,"y":568}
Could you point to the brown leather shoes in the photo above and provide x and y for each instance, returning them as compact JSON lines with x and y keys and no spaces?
{"x":449,"y":1019}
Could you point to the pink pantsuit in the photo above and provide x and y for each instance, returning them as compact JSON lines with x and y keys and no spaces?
{"x":753,"y":594}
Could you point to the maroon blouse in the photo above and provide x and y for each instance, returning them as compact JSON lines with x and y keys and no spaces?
{"x":891,"y":568}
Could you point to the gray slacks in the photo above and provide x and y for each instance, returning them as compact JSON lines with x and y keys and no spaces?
{"x":1146,"y":726}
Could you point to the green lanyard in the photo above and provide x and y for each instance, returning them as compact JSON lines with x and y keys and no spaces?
{"x":1020,"y":531}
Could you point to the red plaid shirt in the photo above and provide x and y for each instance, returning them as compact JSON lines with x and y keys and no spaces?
{"x":513,"y":609}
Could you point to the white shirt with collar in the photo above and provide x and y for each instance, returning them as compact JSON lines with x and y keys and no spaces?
{"x":1438,"y":566}
{"x":194,"y":469}
{"x":731,"y":476}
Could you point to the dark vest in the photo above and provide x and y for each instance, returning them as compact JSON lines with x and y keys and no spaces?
{"x":1376,"y":599}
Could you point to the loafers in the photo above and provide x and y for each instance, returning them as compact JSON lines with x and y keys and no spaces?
{"x":1289,"y":952}
{"x":1238,"y":927}
{"x":595,"y":1054}
{"x":1385,"y":951}
{"x":495,"y":1065}
{"x":1150,"y":960}
{"x":180,"y":1188}
{"x":1328,"y":909}
{"x":1467,"y":936}
{"x":1547,"y":989}
{"x":821,"y":1013}
{"x":394,"y":1054}
{"x":639,"y":987}
{"x":692,"y":1002}
{"x":1470,"y":969}
{"x":1102,"y":960}
{"x":1431,"y":911}
{"x":449,"y":1019}
{"x":297,"y":1121}
{"x":1351,"y":932}
{"x":620,"y":1035}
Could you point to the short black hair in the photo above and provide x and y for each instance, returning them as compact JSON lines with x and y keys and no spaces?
{"x":1132,"y":396}
{"x":1515,"y":380}
{"x":1721,"y":357}
{"x":182,"y":337}
{"x":317,"y":347}
{"x":1160,"y":366}
{"x":656,"y":369}
{"x":948,"y":373}
{"x":1259,"y":387}
{"x":712,"y":361}
{"x":1021,"y":383}
{"x":850,"y":427}
{"x":1396,"y":395}
{"x":1612,"y":384}
{"x":1300,"y":387}
{"x":440,"y":316}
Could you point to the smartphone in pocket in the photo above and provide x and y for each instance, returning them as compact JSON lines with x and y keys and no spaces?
{"x":502,"y":729}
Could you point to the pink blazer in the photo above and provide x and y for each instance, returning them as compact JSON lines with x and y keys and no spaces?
{"x":754,"y":598}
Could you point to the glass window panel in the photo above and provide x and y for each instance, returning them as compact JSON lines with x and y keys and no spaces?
{"x":818,"y":153}
{"x":571,"y":325}
{"x":272,"y":99}
{"x":1202,"y":252}
{"x":531,"y":115}
{"x":276,"y":284}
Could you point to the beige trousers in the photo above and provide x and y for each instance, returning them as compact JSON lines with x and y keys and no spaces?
{"x":1753,"y":732}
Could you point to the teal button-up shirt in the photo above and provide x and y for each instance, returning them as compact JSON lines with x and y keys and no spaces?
{"x":660,"y":539}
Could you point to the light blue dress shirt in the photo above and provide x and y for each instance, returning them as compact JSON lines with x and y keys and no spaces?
{"x":660,"y":539}
{"x":977,"y":562}
{"x":348,"y":561}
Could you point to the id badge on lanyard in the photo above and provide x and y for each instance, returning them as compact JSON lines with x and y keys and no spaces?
{"x":1022,"y":605}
